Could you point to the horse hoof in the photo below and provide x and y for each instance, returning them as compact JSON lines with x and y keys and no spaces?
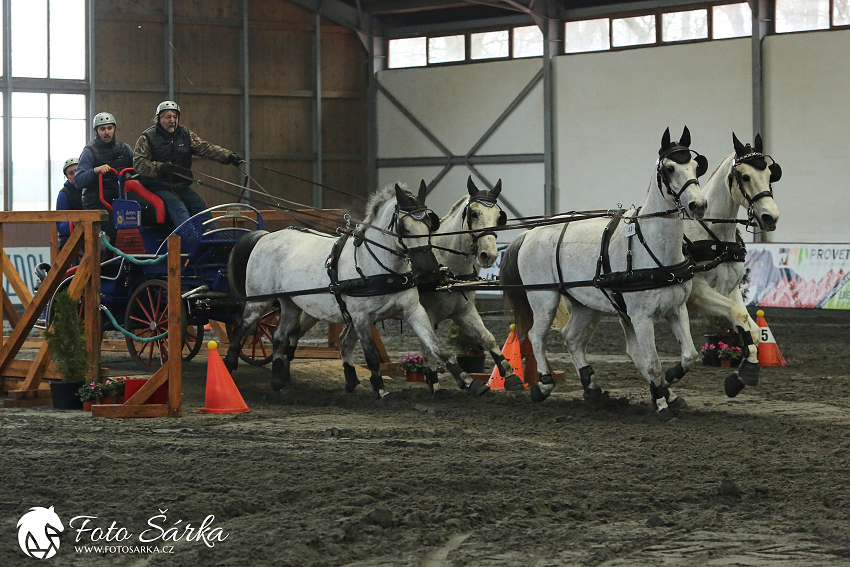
{"x":440,"y":394}
{"x":679,"y":404}
{"x":230,"y":366}
{"x":733,"y":385}
{"x":278,"y":384}
{"x":513,"y":383}
{"x":748,"y":373}
{"x":537,"y":394}
{"x":596,"y":395}
{"x":478,"y":387}
{"x":350,"y":385}
{"x":460,"y":383}
{"x":665,"y":415}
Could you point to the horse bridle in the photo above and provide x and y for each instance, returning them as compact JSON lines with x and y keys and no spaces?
{"x":661,"y":173}
{"x":488,"y":202}
{"x":775,"y":175}
{"x":420,"y":213}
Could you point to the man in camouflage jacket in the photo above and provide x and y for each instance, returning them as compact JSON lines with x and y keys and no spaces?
{"x":163,"y":160}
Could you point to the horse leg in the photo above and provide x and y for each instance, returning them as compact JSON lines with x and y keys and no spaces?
{"x":290,"y":316}
{"x":347,"y":341}
{"x":373,"y":358}
{"x":544,"y":305}
{"x":709,"y":301}
{"x":307,"y":322}
{"x":577,"y":334}
{"x":680,"y":324}
{"x":250,"y":315}
{"x":649,"y":365}
{"x":470,"y":321}
{"x":418,"y":320}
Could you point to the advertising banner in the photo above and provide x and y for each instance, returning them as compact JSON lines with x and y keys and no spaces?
{"x":799,"y":275}
{"x":25,"y":260}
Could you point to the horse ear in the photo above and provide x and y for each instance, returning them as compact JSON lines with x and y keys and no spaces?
{"x":497,"y":189}
{"x":758,"y":143}
{"x":665,"y":139}
{"x":423,"y":192}
{"x":739,"y":147}
{"x":685,"y":140}
{"x":470,"y":186}
{"x":402,"y":197}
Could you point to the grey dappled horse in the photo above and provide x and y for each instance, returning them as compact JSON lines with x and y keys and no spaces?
{"x":265,"y":265}
{"x":575,"y":252}
{"x":743,"y":179}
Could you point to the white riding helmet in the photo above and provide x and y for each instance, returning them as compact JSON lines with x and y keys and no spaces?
{"x":103,"y":118}
{"x":68,"y":163}
{"x":167,"y":105}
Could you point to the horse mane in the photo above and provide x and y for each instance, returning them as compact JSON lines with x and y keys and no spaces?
{"x":455,"y":207}
{"x":732,"y":155}
{"x":379,"y":198}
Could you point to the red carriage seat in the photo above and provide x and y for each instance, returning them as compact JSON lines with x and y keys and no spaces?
{"x":155,"y":211}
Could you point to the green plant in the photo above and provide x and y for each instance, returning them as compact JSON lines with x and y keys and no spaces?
{"x":67,"y":339}
{"x":91,"y":391}
{"x":462,"y":342}
{"x":114,"y":387}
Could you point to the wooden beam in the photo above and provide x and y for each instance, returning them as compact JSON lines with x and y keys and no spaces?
{"x":148,"y":388}
{"x":117,"y":410}
{"x":175,"y":330}
{"x":15,"y":280}
{"x":91,"y":304}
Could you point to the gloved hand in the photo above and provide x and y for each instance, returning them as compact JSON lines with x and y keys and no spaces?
{"x":235,"y":159}
{"x":166,"y":169}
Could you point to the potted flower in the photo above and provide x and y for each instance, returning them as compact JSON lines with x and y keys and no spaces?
{"x":709,"y":354}
{"x":413,"y":366}
{"x":90,"y":394}
{"x":67,"y":341}
{"x":113,"y":390}
{"x":728,"y":354}
{"x":473,"y":358}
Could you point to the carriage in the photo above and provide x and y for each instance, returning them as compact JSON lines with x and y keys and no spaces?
{"x":133,"y":283}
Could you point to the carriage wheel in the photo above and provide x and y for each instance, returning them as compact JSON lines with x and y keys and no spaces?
{"x":64,"y":286}
{"x":147,"y":316}
{"x":257,"y":348}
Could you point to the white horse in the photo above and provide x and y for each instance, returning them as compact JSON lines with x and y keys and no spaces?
{"x":633,"y":267}
{"x":474,"y":215}
{"x":369,"y":274}
{"x":743,"y":179}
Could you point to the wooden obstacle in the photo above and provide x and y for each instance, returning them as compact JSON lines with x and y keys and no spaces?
{"x":28,"y":390}
{"x":171,"y":371}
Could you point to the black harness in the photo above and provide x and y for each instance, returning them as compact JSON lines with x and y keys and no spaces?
{"x":614,"y":284}
{"x":708,"y":254}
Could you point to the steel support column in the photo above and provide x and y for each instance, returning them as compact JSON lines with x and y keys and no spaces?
{"x":762,"y":26}
{"x":376,"y":51}
{"x":169,"y":47}
{"x":552,"y":38}
{"x":7,"y":105}
{"x":317,"y":109}
{"x":246,"y":94}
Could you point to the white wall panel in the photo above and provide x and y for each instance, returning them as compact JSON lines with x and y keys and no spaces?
{"x":612,"y":109}
{"x":807,"y":81}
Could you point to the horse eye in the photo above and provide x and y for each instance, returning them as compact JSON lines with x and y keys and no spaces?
{"x":473,"y":215}
{"x":670,"y":169}
{"x":745,"y":177}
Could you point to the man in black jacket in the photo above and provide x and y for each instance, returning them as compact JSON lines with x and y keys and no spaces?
{"x":163,"y":159}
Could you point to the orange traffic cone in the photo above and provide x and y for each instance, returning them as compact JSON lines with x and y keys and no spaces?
{"x":222,"y":395}
{"x":769,"y":354}
{"x":513,"y":353}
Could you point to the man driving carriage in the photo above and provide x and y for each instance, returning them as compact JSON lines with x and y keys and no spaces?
{"x":102,"y":153}
{"x":163,"y":160}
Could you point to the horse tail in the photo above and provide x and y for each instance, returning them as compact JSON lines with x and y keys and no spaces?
{"x":516,"y":299}
{"x":237,"y":262}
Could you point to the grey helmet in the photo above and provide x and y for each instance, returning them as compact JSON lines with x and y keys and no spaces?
{"x":68,"y":163}
{"x":167,"y":105}
{"x":103,"y":118}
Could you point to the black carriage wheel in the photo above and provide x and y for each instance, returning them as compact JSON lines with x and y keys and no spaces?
{"x":64,"y":286}
{"x":147,"y":316}
{"x":257,"y":348}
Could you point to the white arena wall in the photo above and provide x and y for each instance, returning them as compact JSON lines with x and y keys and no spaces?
{"x":611,"y":109}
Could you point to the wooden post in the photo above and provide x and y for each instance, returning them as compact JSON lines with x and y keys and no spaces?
{"x":93,"y":325}
{"x":175,"y":330}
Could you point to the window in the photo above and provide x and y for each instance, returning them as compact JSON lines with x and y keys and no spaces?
{"x":801,"y":15}
{"x":528,"y":42}
{"x":840,"y":12}
{"x":446,"y":49}
{"x":587,"y":35}
{"x":731,"y":20}
{"x":47,"y":129}
{"x":489,"y":45}
{"x":67,"y":39}
{"x":684,"y":26}
{"x":638,"y":30}
{"x":408,"y":52}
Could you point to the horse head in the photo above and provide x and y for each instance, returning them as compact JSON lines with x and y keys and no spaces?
{"x":414,"y":224}
{"x":678,"y":169}
{"x":753,"y":176}
{"x":481,"y":215}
